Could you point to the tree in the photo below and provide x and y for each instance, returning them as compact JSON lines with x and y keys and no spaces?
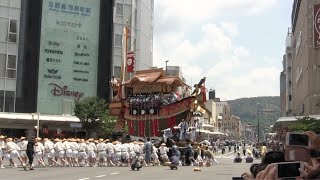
{"x":306,"y":124}
{"x":108,"y":123}
{"x":93,"y":113}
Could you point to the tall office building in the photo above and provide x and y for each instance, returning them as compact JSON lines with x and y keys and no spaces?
{"x":286,"y":78}
{"x":306,"y":57}
{"x":138,"y":16}
{"x":52,"y":54}
{"x":9,"y":43}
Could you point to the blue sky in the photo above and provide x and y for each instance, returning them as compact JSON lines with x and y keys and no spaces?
{"x":237,"y":44}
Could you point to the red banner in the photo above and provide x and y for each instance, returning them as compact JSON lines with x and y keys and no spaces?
{"x":130,"y":62}
{"x":171,"y":122}
{"x":155,"y":128}
{"x":141,"y":128}
{"x":316,"y":27}
{"x":131,"y":127}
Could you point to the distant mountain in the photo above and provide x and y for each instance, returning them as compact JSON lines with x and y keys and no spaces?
{"x":247,"y":109}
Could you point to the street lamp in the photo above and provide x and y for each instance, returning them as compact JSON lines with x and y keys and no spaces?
{"x":167,"y":67}
{"x":38,"y":122}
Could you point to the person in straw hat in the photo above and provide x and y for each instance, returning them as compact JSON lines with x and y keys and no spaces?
{"x":102,"y":153}
{"x":75,"y":153}
{"x":2,"y":146}
{"x":110,"y":153}
{"x":92,"y":149}
{"x":60,"y":152}
{"x":83,"y":148}
{"x":38,"y":152}
{"x":49,"y":152}
{"x":23,"y":147}
{"x":117,"y":153}
{"x":68,"y":150}
{"x":163,"y":152}
{"x":12,"y":149}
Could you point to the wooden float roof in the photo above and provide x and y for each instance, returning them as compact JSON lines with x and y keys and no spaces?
{"x":156,"y":75}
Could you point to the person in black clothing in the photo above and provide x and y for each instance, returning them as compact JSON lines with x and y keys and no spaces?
{"x":30,"y":152}
{"x":174,"y":163}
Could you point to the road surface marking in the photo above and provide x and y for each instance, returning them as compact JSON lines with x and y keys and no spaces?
{"x":83,"y":178}
{"x":100,"y":176}
{"x":115,"y":173}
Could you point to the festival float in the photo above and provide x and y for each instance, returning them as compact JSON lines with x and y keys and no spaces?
{"x":148,"y":102}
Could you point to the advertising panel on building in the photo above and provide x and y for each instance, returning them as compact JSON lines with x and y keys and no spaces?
{"x":68,"y":59}
{"x":316,"y":27}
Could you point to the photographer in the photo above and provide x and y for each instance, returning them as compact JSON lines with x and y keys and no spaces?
{"x":311,"y":168}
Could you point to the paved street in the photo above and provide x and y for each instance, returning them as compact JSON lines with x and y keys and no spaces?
{"x":225,"y":170}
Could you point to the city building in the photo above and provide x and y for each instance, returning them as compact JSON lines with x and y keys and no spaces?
{"x":138,"y":16}
{"x":305,"y":20}
{"x":49,"y":63}
{"x":224,"y":111}
{"x":286,"y":78}
{"x":283,"y":90}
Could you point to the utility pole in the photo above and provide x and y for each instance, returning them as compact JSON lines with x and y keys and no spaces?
{"x":167,"y":67}
{"x":258,"y":123}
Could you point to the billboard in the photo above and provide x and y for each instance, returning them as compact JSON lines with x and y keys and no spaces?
{"x":68,"y":57}
{"x":316,"y":26}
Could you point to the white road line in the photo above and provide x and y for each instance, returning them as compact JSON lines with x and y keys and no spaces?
{"x":84,"y":179}
{"x":100,"y":176}
{"x":115,"y":173}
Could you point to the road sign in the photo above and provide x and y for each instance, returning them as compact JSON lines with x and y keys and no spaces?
{"x":75,"y":125}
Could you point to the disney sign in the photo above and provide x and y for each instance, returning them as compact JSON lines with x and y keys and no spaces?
{"x":64,"y":91}
{"x":316,"y":28}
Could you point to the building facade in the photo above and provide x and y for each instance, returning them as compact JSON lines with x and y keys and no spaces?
{"x":305,"y":58}
{"x":138,"y":16}
{"x":9,"y":47}
{"x":53,"y":61}
{"x":286,"y":78}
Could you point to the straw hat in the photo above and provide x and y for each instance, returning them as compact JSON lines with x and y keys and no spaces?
{"x":2,"y":137}
{"x":22,"y":138}
{"x":163,"y":144}
{"x":107,"y":140}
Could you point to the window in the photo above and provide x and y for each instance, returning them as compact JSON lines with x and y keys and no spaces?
{"x":11,"y":62}
{"x":12,"y":37}
{"x":118,"y":40}
{"x":119,"y":9}
{"x":2,"y":65}
{"x":117,"y":71}
{"x":13,"y":26}
{"x":11,"y":73}
{"x":4,"y":29}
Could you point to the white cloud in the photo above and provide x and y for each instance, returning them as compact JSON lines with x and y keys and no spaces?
{"x":180,"y":15}
{"x":230,"y":68}
{"x":230,"y":28}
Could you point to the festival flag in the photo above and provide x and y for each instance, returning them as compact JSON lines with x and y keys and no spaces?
{"x":130,"y":62}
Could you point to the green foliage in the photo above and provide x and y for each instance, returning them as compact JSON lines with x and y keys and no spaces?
{"x":94,"y":115}
{"x":247,"y":110}
{"x":306,"y":124}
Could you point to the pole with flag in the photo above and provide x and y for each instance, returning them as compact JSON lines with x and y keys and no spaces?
{"x":121,"y":93}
